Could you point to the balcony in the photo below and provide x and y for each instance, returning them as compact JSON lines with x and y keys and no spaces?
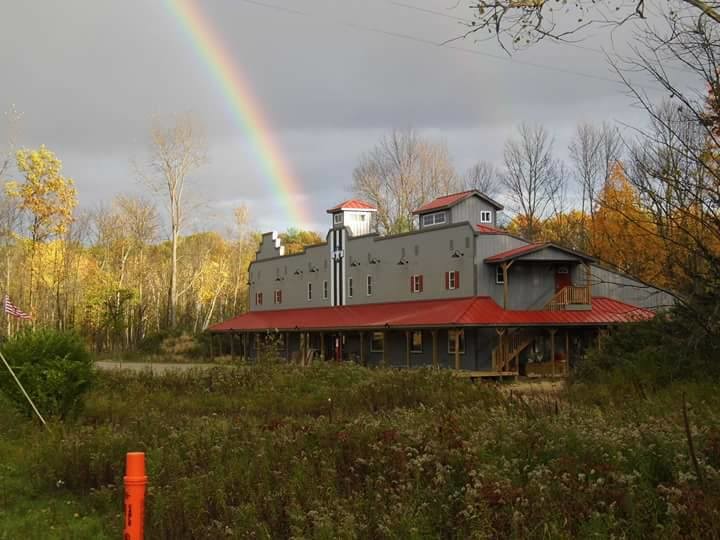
{"x":571,"y":298}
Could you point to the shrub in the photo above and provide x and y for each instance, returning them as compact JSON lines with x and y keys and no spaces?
{"x":54,"y":367}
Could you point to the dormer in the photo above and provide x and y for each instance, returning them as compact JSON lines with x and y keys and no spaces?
{"x":472,"y":206}
{"x":356,"y":215}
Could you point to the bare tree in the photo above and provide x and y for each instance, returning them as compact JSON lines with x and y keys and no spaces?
{"x":176,"y":151}
{"x":593,"y":152}
{"x":401,"y":173}
{"x":484,"y":177}
{"x":525,"y":22}
{"x":533,"y":178}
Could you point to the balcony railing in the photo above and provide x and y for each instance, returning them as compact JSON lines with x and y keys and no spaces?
{"x":569,"y":296}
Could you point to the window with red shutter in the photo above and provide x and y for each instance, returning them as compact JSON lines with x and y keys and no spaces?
{"x":421,"y":283}
{"x":412,"y":284}
{"x":447,"y":280}
{"x":457,"y":279}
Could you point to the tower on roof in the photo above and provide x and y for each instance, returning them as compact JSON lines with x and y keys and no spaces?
{"x":356,"y":215}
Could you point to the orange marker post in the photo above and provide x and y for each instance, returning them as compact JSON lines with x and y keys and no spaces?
{"x":135,"y":484}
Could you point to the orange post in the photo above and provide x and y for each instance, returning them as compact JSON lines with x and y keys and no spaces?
{"x":135,"y":484}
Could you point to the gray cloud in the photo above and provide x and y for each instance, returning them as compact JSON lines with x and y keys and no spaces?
{"x":90,"y":75}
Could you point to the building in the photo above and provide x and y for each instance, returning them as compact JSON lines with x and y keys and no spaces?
{"x":457,"y":292}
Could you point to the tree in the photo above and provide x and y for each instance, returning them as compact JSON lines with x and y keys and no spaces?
{"x":594,"y":150}
{"x":484,"y":177}
{"x":526,"y":22}
{"x":533,"y":178}
{"x":176,"y":151}
{"x":401,"y":173}
{"x":46,"y":195}
{"x":296,"y":240}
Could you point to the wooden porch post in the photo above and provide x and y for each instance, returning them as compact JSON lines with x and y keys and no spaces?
{"x":302,"y":348}
{"x":246,"y":354}
{"x":212,"y":353}
{"x":287,"y":347}
{"x":505,"y":267}
{"x":232,"y":346}
{"x":499,"y":363}
{"x":308,"y":347}
{"x":257,"y":346}
{"x":435,"y":349}
{"x":362,"y":348}
{"x":322,"y":346}
{"x":553,"y":331}
{"x":384,"y":353}
{"x":567,"y":352}
{"x":407,"y":348}
{"x":457,"y":348}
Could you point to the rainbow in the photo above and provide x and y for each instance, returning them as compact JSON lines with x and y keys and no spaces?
{"x":243,"y":106}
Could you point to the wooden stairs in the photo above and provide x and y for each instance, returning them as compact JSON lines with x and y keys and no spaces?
{"x":505,"y":355}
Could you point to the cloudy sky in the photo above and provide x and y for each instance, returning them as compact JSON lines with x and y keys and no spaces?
{"x":330,"y":76}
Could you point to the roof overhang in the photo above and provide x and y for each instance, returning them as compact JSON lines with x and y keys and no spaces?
{"x":540,"y":253}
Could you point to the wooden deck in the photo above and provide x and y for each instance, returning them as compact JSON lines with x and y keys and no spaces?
{"x":463,"y":374}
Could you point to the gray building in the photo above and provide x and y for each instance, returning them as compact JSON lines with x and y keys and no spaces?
{"x":457,"y":292}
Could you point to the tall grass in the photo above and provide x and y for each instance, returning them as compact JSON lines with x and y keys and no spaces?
{"x":346,"y":452}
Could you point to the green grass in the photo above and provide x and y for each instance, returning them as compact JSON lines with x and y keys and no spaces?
{"x":345,"y":452}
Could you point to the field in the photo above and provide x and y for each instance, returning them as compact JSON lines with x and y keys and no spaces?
{"x":346,"y":452}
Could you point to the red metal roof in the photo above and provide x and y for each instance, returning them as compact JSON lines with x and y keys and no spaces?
{"x":449,"y":200}
{"x":487,"y":229}
{"x":352,"y":204}
{"x":532,"y":248}
{"x":473,"y":311}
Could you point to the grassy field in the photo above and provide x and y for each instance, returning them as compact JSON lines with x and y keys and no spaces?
{"x":346,"y":452}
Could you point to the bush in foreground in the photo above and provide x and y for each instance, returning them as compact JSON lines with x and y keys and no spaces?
{"x":54,"y":367}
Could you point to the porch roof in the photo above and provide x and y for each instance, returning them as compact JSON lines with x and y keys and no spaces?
{"x":544,"y":252}
{"x":472,"y":311}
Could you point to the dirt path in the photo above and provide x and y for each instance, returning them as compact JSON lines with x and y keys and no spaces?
{"x":155,"y":367}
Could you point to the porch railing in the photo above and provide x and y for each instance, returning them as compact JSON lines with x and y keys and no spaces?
{"x":570,"y":295}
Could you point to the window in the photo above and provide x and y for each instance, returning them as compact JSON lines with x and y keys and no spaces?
{"x":451,"y":341}
{"x":452,"y":280}
{"x":416,"y":341}
{"x":499,"y":275}
{"x":433,"y":219}
{"x":258,"y":299}
{"x":416,"y":283}
{"x":378,"y":342}
{"x":369,"y":286}
{"x":486,"y":216}
{"x":325,"y":289}
{"x":350,"y":287}
{"x":278,"y":296}
{"x":309,"y":294}
{"x":337,"y":218}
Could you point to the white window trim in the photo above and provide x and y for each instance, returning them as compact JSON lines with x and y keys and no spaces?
{"x":452,"y":284}
{"x":452,"y":341}
{"x":258,"y":299}
{"x":436,"y":218}
{"x":368,"y":286}
{"x":337,"y":218}
{"x":416,"y":279}
{"x":483,"y":218}
{"x":275,"y":296}
{"x":498,"y":273}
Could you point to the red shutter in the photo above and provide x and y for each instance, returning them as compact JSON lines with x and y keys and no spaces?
{"x":421,"y":283}
{"x":457,"y":280}
{"x":447,"y":280}
{"x":412,"y":283}
{"x":279,"y":297}
{"x":259,"y":299}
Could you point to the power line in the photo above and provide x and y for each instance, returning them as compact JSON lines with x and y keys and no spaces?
{"x":437,"y":45}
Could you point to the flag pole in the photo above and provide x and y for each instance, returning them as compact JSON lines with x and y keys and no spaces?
{"x":22,"y":388}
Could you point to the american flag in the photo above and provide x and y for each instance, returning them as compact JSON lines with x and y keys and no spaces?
{"x":13,"y":310}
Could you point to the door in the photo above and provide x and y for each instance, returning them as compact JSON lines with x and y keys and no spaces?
{"x":562,"y":277}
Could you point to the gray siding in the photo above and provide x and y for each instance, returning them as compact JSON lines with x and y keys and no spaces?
{"x":487,"y":245}
{"x":612,"y":284}
{"x":470,"y":209}
{"x":391,"y":281}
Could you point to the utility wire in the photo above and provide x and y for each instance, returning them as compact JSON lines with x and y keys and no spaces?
{"x":434,"y":44}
